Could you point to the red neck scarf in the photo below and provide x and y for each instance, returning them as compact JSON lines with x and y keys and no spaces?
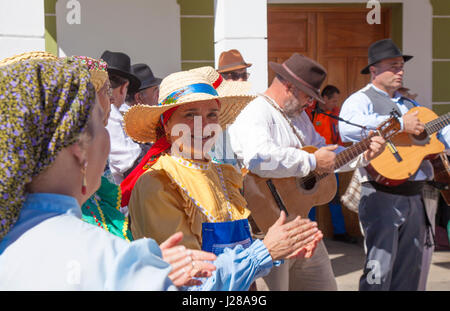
{"x":147,"y":161}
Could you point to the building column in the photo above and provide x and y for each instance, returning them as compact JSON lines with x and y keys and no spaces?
{"x":51,"y":43}
{"x":242,"y":25}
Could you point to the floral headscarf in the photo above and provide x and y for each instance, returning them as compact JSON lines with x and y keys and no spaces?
{"x":44,"y":106}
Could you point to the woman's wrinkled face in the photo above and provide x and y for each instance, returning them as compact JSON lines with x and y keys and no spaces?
{"x":103,"y":97}
{"x":193,"y":129}
{"x":97,"y":149}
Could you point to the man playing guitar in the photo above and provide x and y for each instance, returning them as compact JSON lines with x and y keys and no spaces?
{"x":393,"y":218}
{"x":267,"y":138}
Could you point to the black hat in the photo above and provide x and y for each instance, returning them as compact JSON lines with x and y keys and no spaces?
{"x":119,"y":64}
{"x":145,"y":75}
{"x":383,"y":49}
{"x":303,"y":72}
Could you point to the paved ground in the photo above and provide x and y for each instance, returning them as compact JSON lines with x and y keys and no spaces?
{"x":348,"y":260}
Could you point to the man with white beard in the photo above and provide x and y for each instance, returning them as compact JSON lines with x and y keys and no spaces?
{"x":267,"y":138}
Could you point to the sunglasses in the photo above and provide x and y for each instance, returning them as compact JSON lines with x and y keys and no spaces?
{"x":233,"y":75}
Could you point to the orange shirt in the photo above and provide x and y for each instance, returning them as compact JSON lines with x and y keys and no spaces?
{"x":327,"y":127}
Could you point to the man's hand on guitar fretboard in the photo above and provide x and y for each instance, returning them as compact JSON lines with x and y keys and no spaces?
{"x":412,"y":124}
{"x":325,"y":159}
{"x":376,"y":147}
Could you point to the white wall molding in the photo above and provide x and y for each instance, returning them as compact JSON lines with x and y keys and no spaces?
{"x":22,"y":27}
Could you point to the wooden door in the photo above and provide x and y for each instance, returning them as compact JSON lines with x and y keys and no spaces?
{"x":343,"y":39}
{"x":290,"y":31}
{"x":337,"y":38}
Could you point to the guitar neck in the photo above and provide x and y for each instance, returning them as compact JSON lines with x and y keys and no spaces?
{"x":351,"y":152}
{"x":437,"y":124}
{"x":347,"y":155}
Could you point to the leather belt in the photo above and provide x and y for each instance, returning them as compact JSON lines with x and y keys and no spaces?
{"x":408,"y":188}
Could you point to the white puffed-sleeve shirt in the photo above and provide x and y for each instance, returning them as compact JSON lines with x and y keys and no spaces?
{"x":265,"y":143}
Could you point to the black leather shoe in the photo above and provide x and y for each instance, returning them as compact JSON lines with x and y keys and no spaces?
{"x":344,"y":237}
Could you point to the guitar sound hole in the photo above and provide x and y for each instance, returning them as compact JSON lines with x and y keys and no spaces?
{"x":421,"y":136}
{"x":308,"y":182}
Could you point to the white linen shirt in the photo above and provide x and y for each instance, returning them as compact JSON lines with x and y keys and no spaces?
{"x":265,"y":143}
{"x":124,"y":151}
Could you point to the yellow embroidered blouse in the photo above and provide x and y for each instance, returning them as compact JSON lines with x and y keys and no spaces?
{"x":179,"y":195}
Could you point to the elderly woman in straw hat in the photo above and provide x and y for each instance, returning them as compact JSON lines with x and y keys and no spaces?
{"x":103,"y":208}
{"x":53,"y":151}
{"x":222,"y":87}
{"x":185,"y":191}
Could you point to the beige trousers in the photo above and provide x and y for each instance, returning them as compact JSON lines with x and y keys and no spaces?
{"x":313,"y":274}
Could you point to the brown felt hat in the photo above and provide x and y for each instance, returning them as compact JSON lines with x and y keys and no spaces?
{"x":231,"y":60}
{"x":303,"y":72}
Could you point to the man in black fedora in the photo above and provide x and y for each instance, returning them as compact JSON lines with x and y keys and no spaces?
{"x":394,"y":220}
{"x":124,"y":151}
{"x":267,"y":138}
{"x":148,"y":92}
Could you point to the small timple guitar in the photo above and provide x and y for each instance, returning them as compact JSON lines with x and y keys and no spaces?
{"x":401,"y":159}
{"x":296,"y":196}
{"x":441,"y":166}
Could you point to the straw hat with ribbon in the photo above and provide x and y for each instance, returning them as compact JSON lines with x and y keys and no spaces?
{"x":141,"y":121}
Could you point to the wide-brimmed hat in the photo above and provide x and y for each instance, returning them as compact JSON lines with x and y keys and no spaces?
{"x":145,"y":75}
{"x":27,"y":56}
{"x":383,"y":49}
{"x":142,"y":121}
{"x":120,"y":64}
{"x":231,"y":60}
{"x":303,"y":72}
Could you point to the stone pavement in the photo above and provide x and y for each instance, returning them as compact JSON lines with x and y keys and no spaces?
{"x":348,"y":260}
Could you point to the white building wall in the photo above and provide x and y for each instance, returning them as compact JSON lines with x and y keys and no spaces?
{"x":242,"y":25}
{"x":147,"y":30}
{"x":22,"y":27}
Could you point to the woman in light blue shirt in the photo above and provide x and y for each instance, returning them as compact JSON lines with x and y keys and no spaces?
{"x":53,"y":151}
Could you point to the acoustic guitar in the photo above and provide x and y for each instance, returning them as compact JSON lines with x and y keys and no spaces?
{"x":405,"y":152}
{"x":297,"y":195}
{"x":441,"y":166}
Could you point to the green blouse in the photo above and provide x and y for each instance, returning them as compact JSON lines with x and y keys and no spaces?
{"x":103,"y":210}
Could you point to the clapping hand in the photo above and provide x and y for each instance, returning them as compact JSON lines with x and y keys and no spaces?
{"x":187,"y":264}
{"x":297,"y":238}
